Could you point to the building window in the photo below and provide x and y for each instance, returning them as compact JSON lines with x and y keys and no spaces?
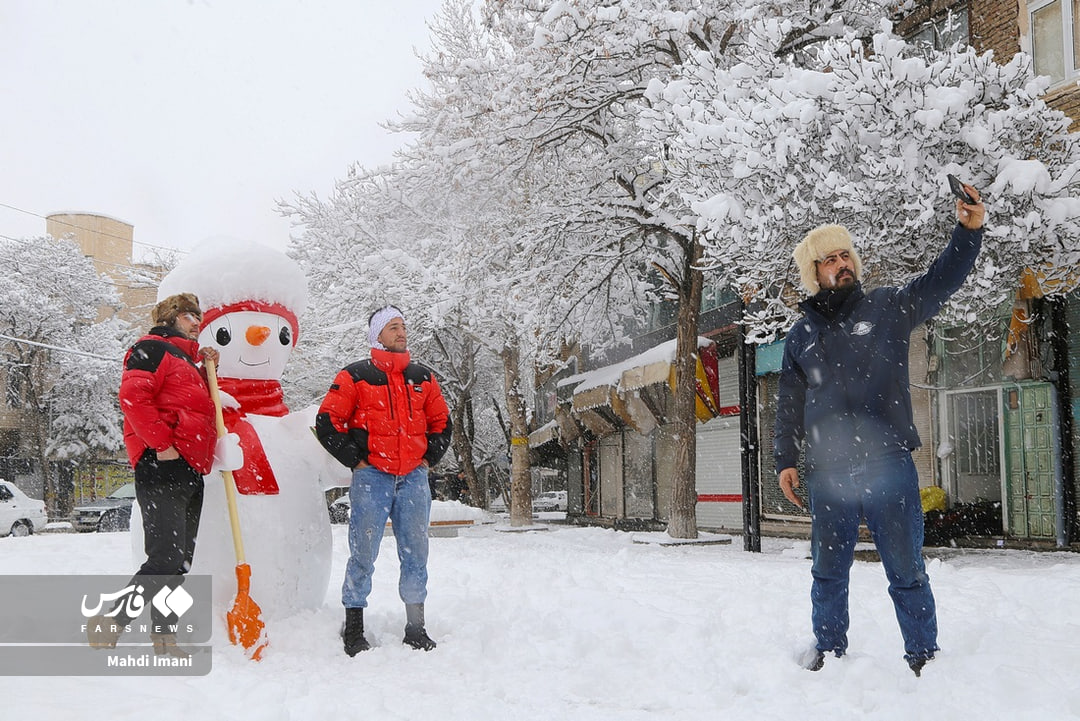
{"x":971,"y":358}
{"x":662,"y":314}
{"x":1055,"y":38}
{"x":16,"y":380}
{"x":9,"y":443}
{"x":943,"y":31}
{"x":716,"y":294}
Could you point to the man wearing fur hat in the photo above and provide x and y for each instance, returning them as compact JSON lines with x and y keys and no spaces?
{"x":386,"y":419}
{"x":170,"y":434}
{"x":844,"y":401}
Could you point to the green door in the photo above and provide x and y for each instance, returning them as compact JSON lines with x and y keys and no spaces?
{"x":1031,"y":459}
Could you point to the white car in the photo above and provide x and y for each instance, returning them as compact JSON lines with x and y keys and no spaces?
{"x":20,"y":515}
{"x":550,"y":501}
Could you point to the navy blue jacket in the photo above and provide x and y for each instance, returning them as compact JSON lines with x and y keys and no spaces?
{"x":844,"y":388}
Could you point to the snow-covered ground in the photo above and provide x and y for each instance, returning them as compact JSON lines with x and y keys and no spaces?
{"x":576,"y":623}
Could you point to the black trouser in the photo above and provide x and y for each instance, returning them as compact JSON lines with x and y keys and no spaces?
{"x":170,"y":496}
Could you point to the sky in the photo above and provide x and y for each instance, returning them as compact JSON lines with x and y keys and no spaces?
{"x":586,"y":624}
{"x":190,"y":119}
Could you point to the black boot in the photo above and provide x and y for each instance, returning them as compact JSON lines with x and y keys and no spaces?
{"x":814,"y":659}
{"x":916,"y":665}
{"x":415,"y":635}
{"x":353,"y":632}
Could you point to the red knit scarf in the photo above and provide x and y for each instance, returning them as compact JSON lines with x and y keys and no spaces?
{"x":258,"y":397}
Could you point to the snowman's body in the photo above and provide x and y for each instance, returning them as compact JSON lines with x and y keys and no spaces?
{"x":250,"y":297}
{"x":286,"y":536}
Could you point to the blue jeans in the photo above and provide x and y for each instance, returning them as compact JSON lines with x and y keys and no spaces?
{"x":886,"y":491}
{"x":376,"y":496}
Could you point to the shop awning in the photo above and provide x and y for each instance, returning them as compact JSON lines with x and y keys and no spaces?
{"x":627,"y":388}
{"x":544,"y":434}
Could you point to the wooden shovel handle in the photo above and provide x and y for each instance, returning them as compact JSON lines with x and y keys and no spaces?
{"x":230,"y":483}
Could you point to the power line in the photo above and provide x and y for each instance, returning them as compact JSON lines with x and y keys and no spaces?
{"x":79,"y":227}
{"x":60,"y":349}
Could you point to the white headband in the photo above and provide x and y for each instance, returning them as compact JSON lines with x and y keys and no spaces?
{"x":379,"y":320}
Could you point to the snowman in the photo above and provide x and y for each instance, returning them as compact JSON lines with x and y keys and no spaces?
{"x":251,"y":296}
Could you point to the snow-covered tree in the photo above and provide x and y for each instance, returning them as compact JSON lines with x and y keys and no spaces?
{"x":62,"y":364}
{"x":548,"y":99}
{"x":79,"y":428}
{"x":863,"y":134}
{"x":357,"y":258}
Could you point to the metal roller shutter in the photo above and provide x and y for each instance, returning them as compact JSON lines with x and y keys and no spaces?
{"x":719,"y":463}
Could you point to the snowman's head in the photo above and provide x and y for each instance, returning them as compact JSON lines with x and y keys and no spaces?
{"x":254,"y":340}
{"x":251,"y":297}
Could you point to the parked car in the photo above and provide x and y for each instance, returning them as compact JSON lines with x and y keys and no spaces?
{"x":339,"y":510}
{"x":550,"y":501}
{"x":20,"y":515}
{"x":111,"y":513}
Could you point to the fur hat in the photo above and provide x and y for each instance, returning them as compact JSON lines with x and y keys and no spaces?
{"x":817,"y":244}
{"x":165,"y":311}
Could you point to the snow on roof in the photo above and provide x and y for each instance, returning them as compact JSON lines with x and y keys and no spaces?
{"x":612,"y":375}
{"x":90,"y":214}
{"x":547,"y":432}
{"x":224,"y":271}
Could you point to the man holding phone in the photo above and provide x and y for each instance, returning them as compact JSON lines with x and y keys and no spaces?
{"x":844,"y":402}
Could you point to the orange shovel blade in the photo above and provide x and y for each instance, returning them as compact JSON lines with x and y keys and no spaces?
{"x":245,"y":625}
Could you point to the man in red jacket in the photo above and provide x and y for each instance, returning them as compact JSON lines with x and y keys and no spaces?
{"x":387,"y":420}
{"x":170,"y":434}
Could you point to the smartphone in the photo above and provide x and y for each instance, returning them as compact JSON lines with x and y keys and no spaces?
{"x":958,"y":189}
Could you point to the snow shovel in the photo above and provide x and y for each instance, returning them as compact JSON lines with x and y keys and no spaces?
{"x":245,"y":625}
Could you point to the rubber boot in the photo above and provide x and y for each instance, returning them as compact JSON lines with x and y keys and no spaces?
{"x":102,"y":632}
{"x":352,"y":633}
{"x":165,"y":645}
{"x":415,"y":635}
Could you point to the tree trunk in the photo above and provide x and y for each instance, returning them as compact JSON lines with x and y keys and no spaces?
{"x":37,"y":422}
{"x":463,"y":449}
{"x":463,"y":364}
{"x":683,"y":521}
{"x":520,"y":482}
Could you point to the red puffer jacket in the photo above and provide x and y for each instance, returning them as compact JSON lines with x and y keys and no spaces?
{"x":166,"y":401}
{"x":385,"y":411}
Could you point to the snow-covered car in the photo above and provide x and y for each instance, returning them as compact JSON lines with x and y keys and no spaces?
{"x":550,"y":501}
{"x":339,"y":510}
{"x":20,"y":515}
{"x":111,"y":513}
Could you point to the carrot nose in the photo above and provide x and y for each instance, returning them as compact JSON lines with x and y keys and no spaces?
{"x":256,"y":334}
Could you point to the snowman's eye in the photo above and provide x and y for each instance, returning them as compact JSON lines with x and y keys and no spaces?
{"x":285,"y":336}
{"x":223,"y":336}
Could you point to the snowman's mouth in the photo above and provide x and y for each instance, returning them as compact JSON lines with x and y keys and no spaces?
{"x":252,"y":365}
